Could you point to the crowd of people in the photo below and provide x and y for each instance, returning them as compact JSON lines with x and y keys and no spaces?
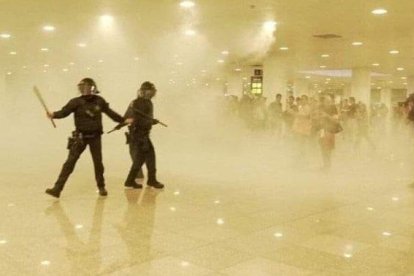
{"x":306,"y":120}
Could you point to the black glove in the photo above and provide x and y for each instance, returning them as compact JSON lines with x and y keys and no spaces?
{"x":155,"y":121}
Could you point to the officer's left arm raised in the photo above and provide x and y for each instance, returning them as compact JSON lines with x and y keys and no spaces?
{"x":110,"y":113}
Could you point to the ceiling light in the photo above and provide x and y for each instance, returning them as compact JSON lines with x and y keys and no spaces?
{"x":49,"y":28}
{"x":106,"y":19}
{"x":357,"y":43}
{"x":187,"y":4}
{"x":189,"y":32}
{"x":325,"y":55}
{"x":220,"y":221}
{"x":237,"y":69}
{"x":322,"y":66}
{"x":13,"y":53}
{"x":400,"y":69}
{"x":284,"y":48}
{"x":307,"y":77}
{"x":269,"y":26}
{"x":9,"y":73}
{"x":403,"y":78}
{"x":394,"y":52}
{"x":65,"y":69}
{"x":82,"y":45}
{"x":44,"y":49}
{"x":46,"y":262}
{"x":225,"y":53}
{"x":4,"y":35}
{"x":220,"y":61}
{"x":375,"y":64}
{"x":379,"y":11}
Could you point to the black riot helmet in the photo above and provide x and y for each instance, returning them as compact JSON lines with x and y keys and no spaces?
{"x":147,"y":90}
{"x":90,"y":82}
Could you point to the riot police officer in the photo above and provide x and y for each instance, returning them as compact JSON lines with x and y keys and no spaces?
{"x":140,"y":114}
{"x":87,"y":110}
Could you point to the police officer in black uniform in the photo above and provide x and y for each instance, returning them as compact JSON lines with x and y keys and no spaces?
{"x":87,"y":110}
{"x":140,"y":114}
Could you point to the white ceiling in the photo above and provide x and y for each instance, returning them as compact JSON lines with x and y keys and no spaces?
{"x":154,"y":29}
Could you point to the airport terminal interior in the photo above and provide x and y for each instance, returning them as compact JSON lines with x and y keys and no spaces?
{"x":283,"y":134}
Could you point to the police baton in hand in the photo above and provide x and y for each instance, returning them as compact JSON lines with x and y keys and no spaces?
{"x":42,"y":101}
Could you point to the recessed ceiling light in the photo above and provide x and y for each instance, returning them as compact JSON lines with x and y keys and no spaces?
{"x":322,"y":66}
{"x":46,"y":262}
{"x":82,"y":45}
{"x":403,"y":78}
{"x":225,"y":53}
{"x":65,"y":69}
{"x":284,"y":48}
{"x":106,"y":19}
{"x":46,"y":65}
{"x":4,"y":35}
{"x":394,"y":52}
{"x":49,"y":28}
{"x":220,"y":61}
{"x":71,"y":63}
{"x":269,"y":26}
{"x":325,"y":55}
{"x":379,"y":11}
{"x":189,"y":32}
{"x":357,"y":43}
{"x":187,"y":4}
{"x":9,"y":73}
{"x":400,"y":69}
{"x":13,"y":53}
{"x":237,"y":69}
{"x":44,"y":49}
{"x":405,"y":83}
{"x":308,"y":77}
{"x":375,"y":64}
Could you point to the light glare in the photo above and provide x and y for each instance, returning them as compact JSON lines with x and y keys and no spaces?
{"x":187,"y":4}
{"x":49,"y":28}
{"x":379,"y":11}
{"x":269,"y":26}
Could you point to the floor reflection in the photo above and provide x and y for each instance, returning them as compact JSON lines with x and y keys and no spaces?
{"x":83,"y":256}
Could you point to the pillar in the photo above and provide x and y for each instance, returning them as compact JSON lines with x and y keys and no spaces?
{"x":361,"y":85}
{"x":301,"y":87}
{"x":275,"y":75}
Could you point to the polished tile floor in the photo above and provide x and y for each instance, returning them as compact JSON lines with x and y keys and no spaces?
{"x":235,"y":219}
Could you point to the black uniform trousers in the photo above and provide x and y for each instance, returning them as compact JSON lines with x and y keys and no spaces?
{"x":75,"y":152}
{"x":144,"y":152}
{"x":133,"y":153}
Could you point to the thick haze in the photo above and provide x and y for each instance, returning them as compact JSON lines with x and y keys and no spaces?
{"x":201,"y":142}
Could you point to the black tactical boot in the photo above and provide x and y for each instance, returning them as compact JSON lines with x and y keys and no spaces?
{"x":133,"y":186}
{"x":155,"y":184}
{"x":53,"y":192}
{"x":102,"y":191}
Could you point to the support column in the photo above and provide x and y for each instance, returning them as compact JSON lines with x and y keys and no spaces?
{"x":301,"y":87}
{"x":275,"y":76}
{"x":234,"y":84}
{"x":361,"y":85}
{"x":410,"y":85}
{"x":347,"y":90}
